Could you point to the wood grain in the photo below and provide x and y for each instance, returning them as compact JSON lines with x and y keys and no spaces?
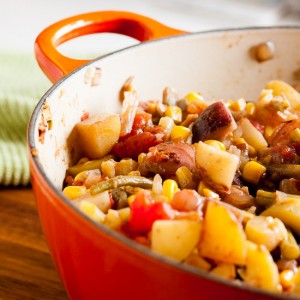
{"x":26,"y":267}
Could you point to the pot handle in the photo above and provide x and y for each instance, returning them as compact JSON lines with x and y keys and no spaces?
{"x":55,"y":65}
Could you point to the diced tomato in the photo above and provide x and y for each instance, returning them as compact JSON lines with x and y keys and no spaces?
{"x":141,"y":120}
{"x":187,"y":200}
{"x":145,"y":211}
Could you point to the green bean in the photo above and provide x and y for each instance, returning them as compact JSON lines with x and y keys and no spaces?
{"x":89,"y":165}
{"x":121,"y":180}
{"x":284,"y":171}
{"x":289,"y":247}
{"x":265,"y":198}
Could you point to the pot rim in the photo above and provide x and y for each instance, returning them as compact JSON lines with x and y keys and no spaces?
{"x":110,"y":232}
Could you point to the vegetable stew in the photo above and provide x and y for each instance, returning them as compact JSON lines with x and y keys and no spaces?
{"x":207,"y":182}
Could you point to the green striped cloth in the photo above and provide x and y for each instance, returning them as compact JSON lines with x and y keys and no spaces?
{"x":22,"y":84}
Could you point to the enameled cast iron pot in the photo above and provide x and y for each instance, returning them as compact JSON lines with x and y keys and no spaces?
{"x":93,"y":261}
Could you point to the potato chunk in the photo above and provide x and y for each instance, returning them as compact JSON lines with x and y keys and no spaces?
{"x":286,"y":208}
{"x":266,"y":231}
{"x":261,"y":270}
{"x":280,"y":87}
{"x":225,"y":270}
{"x":217,"y":167}
{"x":175,"y":238}
{"x":223,"y":238}
{"x":98,"y":134}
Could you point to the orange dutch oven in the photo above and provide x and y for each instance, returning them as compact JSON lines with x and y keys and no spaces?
{"x":93,"y":261}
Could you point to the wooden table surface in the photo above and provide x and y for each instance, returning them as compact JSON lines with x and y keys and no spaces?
{"x":26,"y":267}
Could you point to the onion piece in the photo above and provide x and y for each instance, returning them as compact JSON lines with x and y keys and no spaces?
{"x":129,"y":109}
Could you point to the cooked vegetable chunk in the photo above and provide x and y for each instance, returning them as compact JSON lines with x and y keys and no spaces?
{"x":215,"y":122}
{"x":175,"y":238}
{"x":225,"y":270}
{"x":98,"y":134}
{"x":286,"y":208}
{"x":280,"y":87}
{"x":261,"y":271}
{"x":208,"y":183}
{"x":217,"y":167}
{"x":166,"y":158}
{"x":222,"y":238}
{"x":252,"y":135}
{"x":266,"y":231}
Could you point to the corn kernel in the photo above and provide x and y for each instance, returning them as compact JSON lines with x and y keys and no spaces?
{"x":216,"y":144}
{"x":208,"y":193}
{"x":228,"y":102}
{"x":124,"y":214}
{"x":80,"y":176}
{"x":92,"y":211}
{"x":253,"y":171}
{"x":268,"y":131}
{"x":196,"y":106}
{"x":295,"y":135}
{"x":174,"y":112}
{"x":238,"y":105}
{"x":193,"y":96}
{"x":72,"y":192}
{"x":250,"y":109}
{"x":125,"y":166}
{"x":205,"y":191}
{"x":151,"y":107}
{"x":184,"y":176}
{"x":286,"y":279}
{"x":170,"y":187}
{"x":189,"y":120}
{"x":141,"y":158}
{"x":108,"y":168}
{"x":252,"y":151}
{"x":113,"y":219}
{"x":130,"y":199}
{"x":180,"y":133}
{"x":241,"y":144}
{"x":266,"y":95}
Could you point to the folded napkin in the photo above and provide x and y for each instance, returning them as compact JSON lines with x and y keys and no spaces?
{"x":22,"y":84}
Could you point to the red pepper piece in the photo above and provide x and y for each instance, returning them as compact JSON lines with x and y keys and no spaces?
{"x":145,"y":211}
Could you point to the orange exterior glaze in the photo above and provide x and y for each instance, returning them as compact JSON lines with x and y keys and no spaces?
{"x":55,"y":65}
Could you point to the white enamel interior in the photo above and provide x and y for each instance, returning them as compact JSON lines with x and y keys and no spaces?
{"x":218,"y":64}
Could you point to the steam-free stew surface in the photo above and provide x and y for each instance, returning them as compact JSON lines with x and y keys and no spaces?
{"x":213,"y":183}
